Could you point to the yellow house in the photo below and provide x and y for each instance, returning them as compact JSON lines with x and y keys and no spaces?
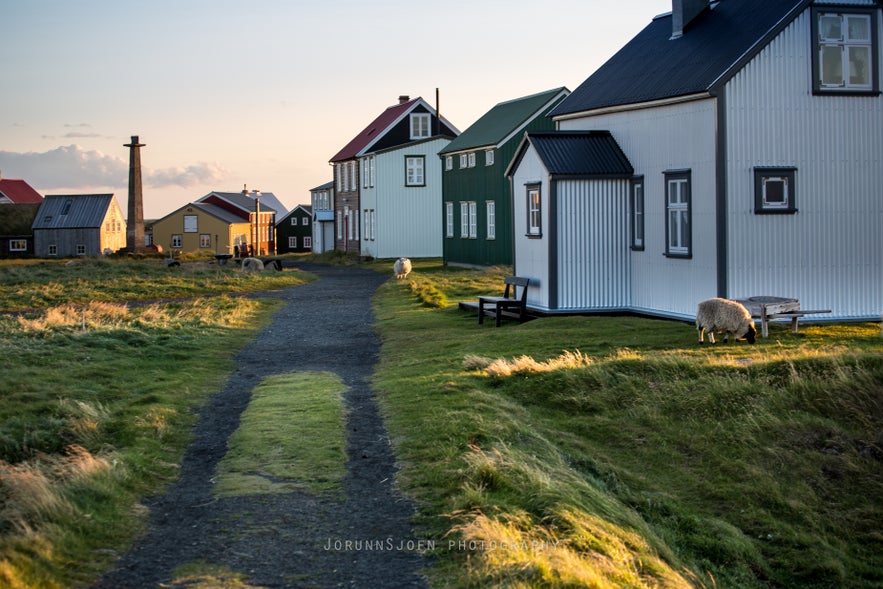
{"x":201,"y":228}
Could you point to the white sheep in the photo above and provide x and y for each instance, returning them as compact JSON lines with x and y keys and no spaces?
{"x":722,"y":315}
{"x":402,"y":267}
{"x":252,"y":265}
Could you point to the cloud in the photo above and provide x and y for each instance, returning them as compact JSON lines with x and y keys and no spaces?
{"x":80,"y":135}
{"x":74,"y":167}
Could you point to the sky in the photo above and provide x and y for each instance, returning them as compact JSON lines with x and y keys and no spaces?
{"x":262,"y":93}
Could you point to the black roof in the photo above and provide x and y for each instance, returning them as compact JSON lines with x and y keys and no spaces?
{"x":714,"y":46}
{"x":576,"y":154}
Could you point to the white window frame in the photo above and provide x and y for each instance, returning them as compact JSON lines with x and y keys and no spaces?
{"x":491,"y":219}
{"x":177,"y":240}
{"x":488,"y":157}
{"x":81,"y":249}
{"x":415,"y":170}
{"x":678,"y":214}
{"x":191,"y":224}
{"x":449,"y":162}
{"x":305,"y":221}
{"x":308,"y":242}
{"x":837,"y":45}
{"x":52,"y":250}
{"x":464,"y":219}
{"x":464,"y":161}
{"x":473,"y":219}
{"x":449,"y":219}
{"x":421,"y":125}
{"x":205,"y":241}
{"x":292,"y":242}
{"x":471,"y":159}
{"x":534,"y":197}
{"x":18,"y":245}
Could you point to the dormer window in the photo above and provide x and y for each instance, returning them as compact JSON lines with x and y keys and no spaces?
{"x":420,"y":125}
{"x":845,"y":52}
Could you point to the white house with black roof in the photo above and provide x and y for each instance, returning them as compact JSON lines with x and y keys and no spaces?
{"x":755,"y":132}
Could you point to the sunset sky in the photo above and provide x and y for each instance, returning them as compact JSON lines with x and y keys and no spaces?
{"x":263,"y":92}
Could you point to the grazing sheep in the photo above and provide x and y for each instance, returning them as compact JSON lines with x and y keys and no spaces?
{"x":252,"y":265}
{"x":722,"y":315}
{"x":402,"y":267}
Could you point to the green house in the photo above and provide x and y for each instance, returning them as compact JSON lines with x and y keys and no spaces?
{"x":477,"y":215}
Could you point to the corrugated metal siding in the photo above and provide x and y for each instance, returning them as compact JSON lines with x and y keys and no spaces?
{"x":531,"y":255}
{"x":593,"y":242}
{"x":408,"y":219}
{"x":655,"y":140}
{"x":830,"y":253}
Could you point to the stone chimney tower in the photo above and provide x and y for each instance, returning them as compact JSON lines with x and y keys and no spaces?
{"x":135,"y":219}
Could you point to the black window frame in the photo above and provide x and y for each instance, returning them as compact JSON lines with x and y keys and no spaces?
{"x":634,"y":220}
{"x":685,"y":175}
{"x":790,"y":175}
{"x":817,"y":88}
{"x":528,"y":189}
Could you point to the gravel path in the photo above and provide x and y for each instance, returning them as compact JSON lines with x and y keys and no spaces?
{"x":363,"y":539}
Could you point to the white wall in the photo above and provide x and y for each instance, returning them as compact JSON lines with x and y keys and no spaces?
{"x":830,"y":253}
{"x":674,"y":137}
{"x":531,"y":255}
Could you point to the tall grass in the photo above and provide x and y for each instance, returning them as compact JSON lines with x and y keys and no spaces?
{"x":98,"y":401}
{"x":614,"y":451}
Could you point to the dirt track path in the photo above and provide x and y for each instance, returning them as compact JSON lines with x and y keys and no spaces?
{"x":294,"y":539}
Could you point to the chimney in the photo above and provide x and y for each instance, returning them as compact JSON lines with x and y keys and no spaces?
{"x":404,"y":98}
{"x":135,"y":220}
{"x":682,"y":13}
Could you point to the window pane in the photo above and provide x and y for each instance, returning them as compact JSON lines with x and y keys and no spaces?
{"x":829,"y":27}
{"x":832,"y":65}
{"x":858,"y":28}
{"x":859,"y":62}
{"x":775,"y":191}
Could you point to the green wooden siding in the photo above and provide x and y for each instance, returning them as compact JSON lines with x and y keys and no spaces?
{"x":481,"y":184}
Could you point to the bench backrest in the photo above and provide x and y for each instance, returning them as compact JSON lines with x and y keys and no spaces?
{"x":513,"y":282}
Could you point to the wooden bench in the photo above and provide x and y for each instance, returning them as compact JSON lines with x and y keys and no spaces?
{"x":766,"y":308}
{"x":510,"y":303}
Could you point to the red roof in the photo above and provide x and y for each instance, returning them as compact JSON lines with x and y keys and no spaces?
{"x":377,"y":127}
{"x":19,"y":192}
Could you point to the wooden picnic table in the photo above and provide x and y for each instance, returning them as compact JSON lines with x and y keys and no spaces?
{"x":766,"y":308}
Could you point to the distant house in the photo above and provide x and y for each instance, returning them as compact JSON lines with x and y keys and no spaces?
{"x":477,"y":208}
{"x":294,"y":231}
{"x":754,"y":132}
{"x":201,"y":227}
{"x":78,"y":225}
{"x":260,"y":209}
{"x":18,"y":192}
{"x":322,"y":198}
{"x":19,"y":204}
{"x":356,"y":172}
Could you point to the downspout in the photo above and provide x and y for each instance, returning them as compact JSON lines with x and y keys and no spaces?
{"x":721,"y":224}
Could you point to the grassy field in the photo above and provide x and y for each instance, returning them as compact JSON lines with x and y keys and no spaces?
{"x":615,"y":451}
{"x":566,"y":451}
{"x":98,"y":399}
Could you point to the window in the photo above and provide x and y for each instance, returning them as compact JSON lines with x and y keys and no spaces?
{"x":774,"y":190}
{"x":176,"y":240}
{"x":339,"y":226}
{"x":205,"y":240}
{"x":491,"y":210}
{"x":53,"y":250}
{"x":472,"y":159}
{"x":420,"y":125}
{"x":534,"y":212}
{"x":449,"y":162}
{"x":368,"y":172}
{"x":637,"y":213}
{"x":464,"y":160}
{"x":489,"y":157}
{"x":846,"y":52}
{"x":304,"y":221}
{"x":308,"y":242}
{"x":191,"y":224}
{"x":677,"y":214}
{"x":464,"y":219}
{"x":339,"y":169}
{"x":292,"y":242}
{"x":473,"y":220}
{"x":414,"y":170}
{"x":449,"y":219}
{"x":66,"y":208}
{"x":81,"y":249}
{"x":18,"y":245}
{"x":369,"y":220}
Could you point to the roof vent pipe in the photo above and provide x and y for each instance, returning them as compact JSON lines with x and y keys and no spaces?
{"x":682,"y":13}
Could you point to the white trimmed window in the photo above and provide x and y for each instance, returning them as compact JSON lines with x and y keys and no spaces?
{"x":205,"y":240}
{"x":534,"y":211}
{"x":472,"y":159}
{"x":420,"y":125}
{"x":81,"y":249}
{"x":677,"y":214}
{"x":53,"y":250}
{"x":449,"y":162}
{"x":308,"y":242}
{"x":489,"y":157}
{"x":846,"y":51}
{"x":292,"y":242}
{"x":464,"y":161}
{"x":18,"y":245}
{"x":414,"y":170}
{"x":473,"y":220}
{"x":177,"y":240}
{"x":305,"y":221}
{"x":191,"y":224}
{"x":464,"y":219}
{"x":491,"y":214}
{"x":449,"y":219}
